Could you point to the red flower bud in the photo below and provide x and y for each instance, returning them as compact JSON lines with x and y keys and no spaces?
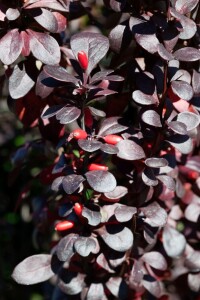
{"x":94,"y":167}
{"x":64,"y":225}
{"x":79,"y":134}
{"x":78,"y":208}
{"x":112,"y":139}
{"x":83,"y":60}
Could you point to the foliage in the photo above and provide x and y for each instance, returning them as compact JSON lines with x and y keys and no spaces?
{"x":116,"y":102}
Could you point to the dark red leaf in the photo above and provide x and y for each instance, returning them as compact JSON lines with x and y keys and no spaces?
{"x":111,"y":126}
{"x":163,"y":52}
{"x":181,"y":142}
{"x":156,"y":162}
{"x":178,"y":127}
{"x":155,"y":259}
{"x":84,"y":245}
{"x":33,"y":269}
{"x":45,"y":18}
{"x":52,"y":4}
{"x":65,"y":246}
{"x":71,"y":283}
{"x":68,"y":114}
{"x":174,"y":242}
{"x":196,"y":82}
{"x":92,"y":214}
{"x":101,"y":260}
{"x":44,"y":47}
{"x":187,"y":54}
{"x":129,"y":150}
{"x":117,"y":287}
{"x":12,"y":14}
{"x":89,"y":145}
{"x":191,"y":120}
{"x":144,"y":99}
{"x":124,"y":213}
{"x":149,"y":177}
{"x":119,"y":192}
{"x":185,"y":6}
{"x":71,"y":183}
{"x":151,"y":117}
{"x":20,"y":83}
{"x":94,"y":45}
{"x":59,"y":73}
{"x":96,"y":291}
{"x":153,"y":286}
{"x":156,"y":216}
{"x":101,"y":181}
{"x":110,"y":149}
{"x":12,"y":41}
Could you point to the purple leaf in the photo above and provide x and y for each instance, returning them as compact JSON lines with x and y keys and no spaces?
{"x":156,"y":162}
{"x":151,"y":117}
{"x":118,"y":192}
{"x":116,"y":37}
{"x":196,"y":82}
{"x":155,"y":215}
{"x":118,"y":238}
{"x":33,"y":269}
{"x":129,"y":150}
{"x":57,"y":184}
{"x":65,"y":246}
{"x":182,"y":89}
{"x":149,"y":177}
{"x":59,"y":73}
{"x":144,"y":99}
{"x":124,"y":213}
{"x":99,"y":76}
{"x":51,"y":111}
{"x":167,"y":181}
{"x":185,"y":6}
{"x":52,"y":4}
{"x":96,"y":291}
{"x":173,"y":241}
{"x":191,"y":120}
{"x":71,"y":183}
{"x":187,"y":54}
{"x":111,"y":126}
{"x":84,"y":245}
{"x":12,"y":41}
{"x":154,"y":287}
{"x":147,"y":41}
{"x":101,"y":181}
{"x":42,"y":89}
{"x":20,"y":83}
{"x":89,"y":145}
{"x":192,"y":212}
{"x":97,"y":112}
{"x":194,"y":282}
{"x":12,"y":14}
{"x":178,"y":127}
{"x":163,"y":52}
{"x":94,"y":45}
{"x":71,"y":283}
{"x":192,"y":261}
{"x":181,"y":142}
{"x":101,"y":260}
{"x":45,"y":18}
{"x":117,"y":287}
{"x":68,"y":114}
{"x":116,"y":258}
{"x":155,"y":260}
{"x":110,"y":149}
{"x":44,"y":47}
{"x":189,"y":26}
{"x":92,"y":214}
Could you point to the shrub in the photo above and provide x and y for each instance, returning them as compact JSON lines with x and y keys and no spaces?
{"x":113,"y":89}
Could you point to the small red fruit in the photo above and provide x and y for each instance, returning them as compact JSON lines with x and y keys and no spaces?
{"x":112,"y":139}
{"x":95,"y":167}
{"x":79,"y":134}
{"x":78,"y":208}
{"x":64,"y":225}
{"x":83,"y":60}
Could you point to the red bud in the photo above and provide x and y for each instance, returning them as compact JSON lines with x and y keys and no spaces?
{"x":78,"y":208}
{"x":83,"y":60}
{"x":64,"y":225}
{"x":112,"y":139}
{"x":79,"y":134}
{"x":95,"y":167}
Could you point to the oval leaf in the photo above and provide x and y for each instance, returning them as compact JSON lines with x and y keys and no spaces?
{"x":44,"y":47}
{"x":84,"y":245}
{"x":191,"y":120}
{"x":118,"y":192}
{"x":65,"y":246}
{"x":68,"y":114}
{"x":101,"y":181}
{"x":71,"y":183}
{"x":144,"y":99}
{"x":125,"y":213}
{"x":182,"y":89}
{"x":155,"y":260}
{"x":151,"y":117}
{"x":117,"y":238}
{"x":173,"y":241}
{"x":33,"y":269}
{"x":129,"y":150}
{"x":155,"y":162}
{"x":155,"y":215}
{"x":12,"y":41}
{"x":89,"y":145}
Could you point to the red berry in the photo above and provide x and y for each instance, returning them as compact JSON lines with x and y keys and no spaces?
{"x":64,"y":225}
{"x":112,"y":139}
{"x":78,"y":208}
{"x":79,"y":134}
{"x":83,"y":60}
{"x":95,"y":167}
